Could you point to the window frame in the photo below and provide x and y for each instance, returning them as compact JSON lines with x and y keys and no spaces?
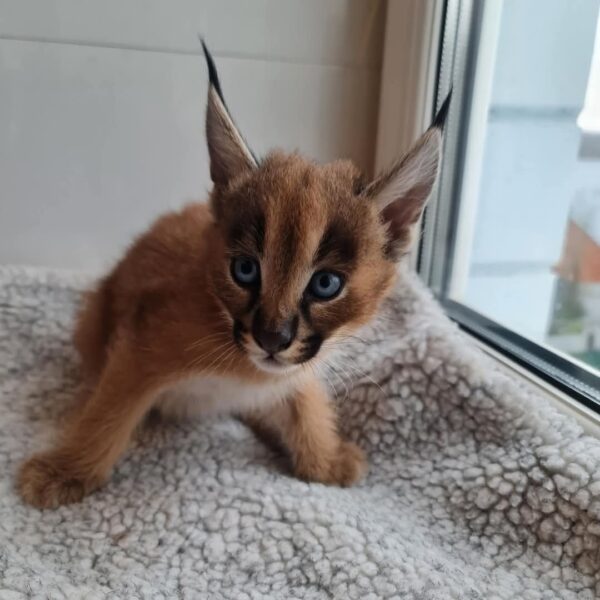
{"x":460,"y":65}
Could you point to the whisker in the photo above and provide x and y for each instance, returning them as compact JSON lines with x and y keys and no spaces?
{"x":200,"y":341}
{"x":216,"y":360}
{"x":320,"y":374}
{"x":347,"y":336}
{"x":208,"y":337}
{"x":365,"y":374}
{"x":350,"y":362}
{"x":334,"y":372}
{"x":210,"y":352}
{"x":357,"y":374}
{"x":206,"y":355}
{"x":226,"y":356}
{"x":341,"y":368}
{"x":231,"y":363}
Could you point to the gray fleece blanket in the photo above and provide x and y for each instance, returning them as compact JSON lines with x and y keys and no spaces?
{"x":477,"y":487}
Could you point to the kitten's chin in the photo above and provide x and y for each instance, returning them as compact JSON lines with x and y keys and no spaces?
{"x":272,"y":365}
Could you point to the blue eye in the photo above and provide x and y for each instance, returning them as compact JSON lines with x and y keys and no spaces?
{"x":325,"y":285}
{"x":245,"y":270}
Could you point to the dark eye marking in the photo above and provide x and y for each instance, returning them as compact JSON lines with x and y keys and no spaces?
{"x":238,"y":329}
{"x":338,"y":243}
{"x":248,"y":231}
{"x":305,"y":308}
{"x":310,"y":346}
{"x":258,"y":232}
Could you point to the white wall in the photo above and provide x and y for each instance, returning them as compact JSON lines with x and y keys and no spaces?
{"x":102,"y":107}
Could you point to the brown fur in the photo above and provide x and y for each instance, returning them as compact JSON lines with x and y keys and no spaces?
{"x":171,"y":311}
{"x":161,"y":310}
{"x":306,"y":428}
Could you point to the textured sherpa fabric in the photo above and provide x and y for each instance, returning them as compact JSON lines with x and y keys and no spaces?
{"x":477,"y":487}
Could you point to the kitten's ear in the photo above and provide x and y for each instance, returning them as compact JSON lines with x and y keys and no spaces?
{"x":229,"y":154}
{"x":402,"y":191}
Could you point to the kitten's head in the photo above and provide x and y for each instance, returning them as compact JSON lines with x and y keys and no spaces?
{"x":307,"y":251}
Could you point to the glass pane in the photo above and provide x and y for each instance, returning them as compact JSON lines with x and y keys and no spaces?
{"x":534,"y":246}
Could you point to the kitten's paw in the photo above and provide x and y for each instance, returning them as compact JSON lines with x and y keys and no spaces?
{"x":349,"y":466}
{"x":45,"y":484}
{"x":344,"y":468}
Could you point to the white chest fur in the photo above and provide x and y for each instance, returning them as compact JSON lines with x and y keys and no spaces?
{"x":213,"y":395}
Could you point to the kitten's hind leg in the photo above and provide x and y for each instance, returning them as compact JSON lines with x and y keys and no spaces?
{"x":94,"y":439}
{"x":93,"y":330}
{"x":305,"y":425}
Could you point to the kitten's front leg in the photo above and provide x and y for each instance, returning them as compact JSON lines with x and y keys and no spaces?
{"x":306,"y":426}
{"x":93,"y":440}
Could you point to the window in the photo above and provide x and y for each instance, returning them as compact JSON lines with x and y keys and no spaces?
{"x":511,"y":242}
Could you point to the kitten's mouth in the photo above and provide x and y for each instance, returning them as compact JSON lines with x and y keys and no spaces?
{"x":270,"y":363}
{"x":263,"y":361}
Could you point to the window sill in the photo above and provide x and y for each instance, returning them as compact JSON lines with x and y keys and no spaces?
{"x":587,"y":418}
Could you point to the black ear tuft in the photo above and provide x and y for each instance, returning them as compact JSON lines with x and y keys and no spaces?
{"x":213,"y":76}
{"x":440,"y":119}
{"x":229,"y":154}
